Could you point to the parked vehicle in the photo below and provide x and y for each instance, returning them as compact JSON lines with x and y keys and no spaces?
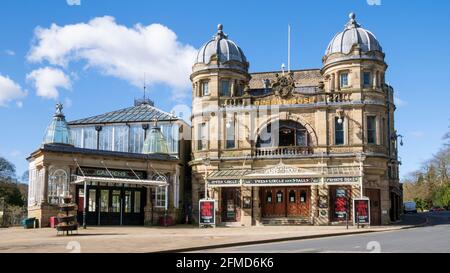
{"x":436,"y":209}
{"x":409,"y":207}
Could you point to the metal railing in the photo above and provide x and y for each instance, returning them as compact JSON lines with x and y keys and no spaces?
{"x":283,"y":151}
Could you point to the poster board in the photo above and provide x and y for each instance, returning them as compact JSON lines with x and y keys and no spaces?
{"x":207,"y":212}
{"x":361,"y":211}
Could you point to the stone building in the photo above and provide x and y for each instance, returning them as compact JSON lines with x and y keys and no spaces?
{"x":125,"y":167}
{"x":295,"y":146}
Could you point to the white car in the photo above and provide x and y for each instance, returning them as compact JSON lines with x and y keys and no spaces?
{"x":409,"y":207}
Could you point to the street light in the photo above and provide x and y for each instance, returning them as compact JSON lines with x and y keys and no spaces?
{"x":206,"y":162}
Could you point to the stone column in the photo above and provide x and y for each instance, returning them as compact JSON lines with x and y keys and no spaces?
{"x":45,"y":186}
{"x":256,"y":207}
{"x":336,"y":82}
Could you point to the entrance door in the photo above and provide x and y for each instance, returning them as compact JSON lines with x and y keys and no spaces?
{"x":375,"y":206}
{"x":298,"y":201}
{"x":285,"y":201}
{"x":231,"y":208}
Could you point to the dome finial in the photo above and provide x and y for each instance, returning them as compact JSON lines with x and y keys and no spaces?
{"x":219,"y":27}
{"x":352,"y":23}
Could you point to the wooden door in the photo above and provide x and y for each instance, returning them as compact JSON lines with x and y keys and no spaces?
{"x":279,"y":206}
{"x":298,"y":202}
{"x":267,"y":202}
{"x":375,"y":205}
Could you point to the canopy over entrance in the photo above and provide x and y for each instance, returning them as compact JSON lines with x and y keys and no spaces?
{"x":282,"y":174}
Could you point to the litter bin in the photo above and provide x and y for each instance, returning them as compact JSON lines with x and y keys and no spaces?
{"x":28,"y":222}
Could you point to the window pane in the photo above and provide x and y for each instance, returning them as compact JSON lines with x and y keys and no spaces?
{"x":127,"y":201}
{"x":225,"y":88}
{"x":89,"y":138}
{"x":301,"y":138}
{"x":121,"y":138}
{"x":116,"y":201}
{"x":205,"y":88}
{"x":92,"y":200}
{"x":338,"y":131}
{"x":137,"y":202}
{"x":230,"y":134}
{"x":76,"y":134}
{"x":366,"y":78}
{"x":106,"y":138}
{"x":344,"y":79}
{"x":371,"y":130}
{"x":136,"y":141}
{"x":104,"y":201}
{"x":201,"y":145}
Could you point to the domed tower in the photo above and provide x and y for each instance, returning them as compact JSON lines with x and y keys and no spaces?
{"x":219,"y":76}
{"x":58,"y":131}
{"x":353,"y":60}
{"x":220,"y":73}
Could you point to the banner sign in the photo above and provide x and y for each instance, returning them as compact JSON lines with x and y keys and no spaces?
{"x":127,"y":174}
{"x":223,"y":182}
{"x":361,"y":211}
{"x":280,"y":181}
{"x":207,"y":212}
{"x":341,"y":179}
{"x":265,"y":181}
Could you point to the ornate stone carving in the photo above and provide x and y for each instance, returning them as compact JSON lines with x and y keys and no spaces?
{"x":283,"y":85}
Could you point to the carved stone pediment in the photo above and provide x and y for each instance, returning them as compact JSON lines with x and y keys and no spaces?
{"x":284,"y":85}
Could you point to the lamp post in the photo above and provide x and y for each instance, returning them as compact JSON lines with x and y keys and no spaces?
{"x":206,"y":163}
{"x":361,"y":158}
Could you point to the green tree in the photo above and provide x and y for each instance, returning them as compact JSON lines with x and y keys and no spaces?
{"x":7,"y":170}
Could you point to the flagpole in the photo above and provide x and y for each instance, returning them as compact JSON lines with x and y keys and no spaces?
{"x":289,"y":48}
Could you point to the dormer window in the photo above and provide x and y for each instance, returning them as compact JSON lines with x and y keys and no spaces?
{"x":344,"y":80}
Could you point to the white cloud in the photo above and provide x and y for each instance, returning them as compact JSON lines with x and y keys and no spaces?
{"x":119,"y":51}
{"x":73,"y":2}
{"x":48,"y":80}
{"x":9,"y":90}
{"x":10,"y":52}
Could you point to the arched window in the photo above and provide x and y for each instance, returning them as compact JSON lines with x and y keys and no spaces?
{"x":279,"y":197}
{"x":283,"y":133}
{"x":58,"y":186}
{"x":269,"y":197}
{"x":291,"y":196}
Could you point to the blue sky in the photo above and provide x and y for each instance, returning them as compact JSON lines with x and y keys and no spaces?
{"x":84,"y":73}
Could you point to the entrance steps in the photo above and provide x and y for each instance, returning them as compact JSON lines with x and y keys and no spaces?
{"x":285,"y":221}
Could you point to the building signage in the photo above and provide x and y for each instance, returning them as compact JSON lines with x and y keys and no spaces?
{"x":361,"y":211}
{"x":222,"y":182}
{"x":279,"y":101}
{"x":265,"y":181}
{"x":125,"y":174}
{"x":207,"y":216}
{"x":341,"y":179}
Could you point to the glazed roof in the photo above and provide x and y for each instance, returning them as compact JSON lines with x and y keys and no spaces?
{"x":57,"y":131}
{"x":139,"y":113}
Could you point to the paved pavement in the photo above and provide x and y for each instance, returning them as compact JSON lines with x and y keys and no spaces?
{"x":431,"y":238}
{"x":154,"y":239}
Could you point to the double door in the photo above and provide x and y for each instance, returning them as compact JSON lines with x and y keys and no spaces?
{"x":285,"y":201}
{"x":112,"y":205}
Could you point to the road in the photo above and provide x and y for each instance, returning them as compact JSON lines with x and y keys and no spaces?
{"x":433,"y":237}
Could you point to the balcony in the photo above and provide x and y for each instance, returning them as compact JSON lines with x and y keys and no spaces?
{"x":282,"y":152}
